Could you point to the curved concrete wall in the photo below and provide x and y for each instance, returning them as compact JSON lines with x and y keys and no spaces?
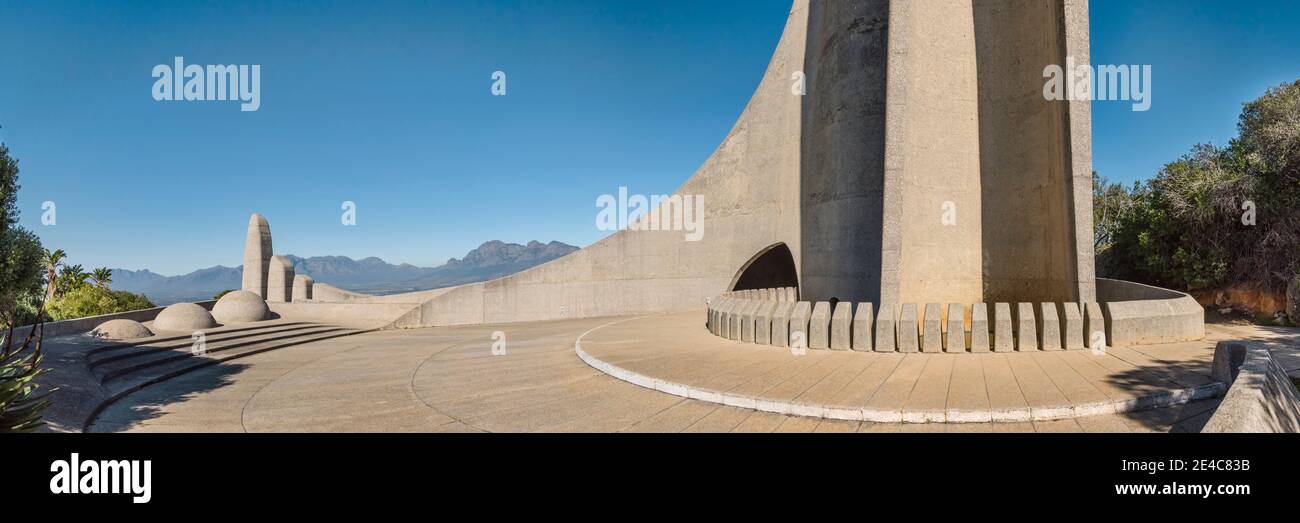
{"x":1260,"y":398}
{"x":750,"y":188}
{"x":1138,"y":314}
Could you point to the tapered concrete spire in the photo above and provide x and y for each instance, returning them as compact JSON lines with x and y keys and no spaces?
{"x":257,"y":255}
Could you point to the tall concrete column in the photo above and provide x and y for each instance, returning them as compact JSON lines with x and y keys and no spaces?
{"x":843,"y":144}
{"x":932,"y":251}
{"x":257,"y":255}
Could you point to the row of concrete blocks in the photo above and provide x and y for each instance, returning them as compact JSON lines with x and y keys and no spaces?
{"x":1057,"y":326}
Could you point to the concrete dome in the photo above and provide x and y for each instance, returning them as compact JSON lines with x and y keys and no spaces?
{"x":121,"y":330}
{"x":240,"y":307}
{"x":184,"y":317}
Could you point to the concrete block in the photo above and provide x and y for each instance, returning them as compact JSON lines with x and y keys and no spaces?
{"x":908,"y":332}
{"x":1071,"y":327}
{"x":862,"y":327}
{"x":932,"y":328}
{"x":1049,"y":327}
{"x":733,"y":319}
{"x":842,"y":326}
{"x":763,"y":323}
{"x":747,"y":320}
{"x":886,"y":339}
{"x":799,"y":320}
{"x":955,"y":339}
{"x":781,"y":324}
{"x":819,"y":326}
{"x":1003,"y":341}
{"x":720,"y":316}
{"x":791,"y":294}
{"x":279,"y":280}
{"x":1026,"y":332}
{"x":979,"y":328}
{"x":1094,"y":327}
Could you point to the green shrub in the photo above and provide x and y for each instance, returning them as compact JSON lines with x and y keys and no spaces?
{"x":88,"y":301}
{"x":222,"y":293}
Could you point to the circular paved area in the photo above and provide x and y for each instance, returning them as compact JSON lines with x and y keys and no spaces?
{"x":447,"y":379}
{"x":898,"y":387}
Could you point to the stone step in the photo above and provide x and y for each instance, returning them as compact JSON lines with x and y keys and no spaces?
{"x":212,"y":339}
{"x":220,"y":331}
{"x":160,"y":364}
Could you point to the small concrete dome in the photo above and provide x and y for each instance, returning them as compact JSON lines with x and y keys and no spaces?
{"x":121,"y":330}
{"x":184,"y":317}
{"x":240,"y":307}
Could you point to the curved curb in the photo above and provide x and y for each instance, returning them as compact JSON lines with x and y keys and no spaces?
{"x":838,"y":412}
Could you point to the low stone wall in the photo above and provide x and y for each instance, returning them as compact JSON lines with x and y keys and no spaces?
{"x":80,"y":325}
{"x":1128,"y":314}
{"x":1138,"y":314}
{"x":776,"y":317}
{"x":1260,"y":398}
{"x":361,"y":315}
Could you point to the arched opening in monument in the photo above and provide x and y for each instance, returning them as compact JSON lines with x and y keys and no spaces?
{"x":771,"y":268}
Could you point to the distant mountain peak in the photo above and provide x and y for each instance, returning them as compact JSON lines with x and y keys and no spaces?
{"x":493,"y":259}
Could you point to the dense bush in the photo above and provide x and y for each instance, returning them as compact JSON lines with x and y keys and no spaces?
{"x":1191,"y":227}
{"x":85,"y":301}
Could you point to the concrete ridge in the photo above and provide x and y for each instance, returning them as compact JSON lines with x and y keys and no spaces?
{"x":1165,"y":398}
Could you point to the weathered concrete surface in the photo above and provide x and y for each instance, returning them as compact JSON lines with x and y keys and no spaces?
{"x":1260,"y":397}
{"x":979,"y":328}
{"x":863,"y":327}
{"x":819,"y":326}
{"x":763,"y":322}
{"x":747,"y":315}
{"x":279,"y":280}
{"x":1094,"y":326}
{"x":1139,"y":314}
{"x":1049,"y":327}
{"x":1003,"y":340}
{"x":842,"y":326}
{"x":908,"y":329}
{"x":781,"y":323}
{"x":302,"y":287}
{"x":1026,"y":331}
{"x":799,"y":319}
{"x":932,"y":329}
{"x":886,"y":335}
{"x":184,"y":317}
{"x":240,"y":307}
{"x":257,"y":255}
{"x":955,"y":338}
{"x":121,"y":330}
{"x":1072,"y":327}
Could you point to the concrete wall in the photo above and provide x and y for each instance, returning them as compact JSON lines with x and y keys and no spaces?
{"x":843,"y":171}
{"x":1260,"y":398}
{"x":1138,"y":314}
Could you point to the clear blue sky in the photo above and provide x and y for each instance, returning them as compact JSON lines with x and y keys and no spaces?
{"x":387,"y":104}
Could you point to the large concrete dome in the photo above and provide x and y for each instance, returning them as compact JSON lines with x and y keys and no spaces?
{"x":121,"y":330}
{"x":184,"y":317}
{"x":240,"y":307}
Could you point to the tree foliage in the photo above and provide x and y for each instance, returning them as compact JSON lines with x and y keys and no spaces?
{"x":1218,"y":215}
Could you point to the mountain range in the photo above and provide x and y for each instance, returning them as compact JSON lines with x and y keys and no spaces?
{"x":489,"y":261}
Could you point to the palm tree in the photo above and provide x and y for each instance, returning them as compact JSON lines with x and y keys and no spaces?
{"x":72,"y":277}
{"x":52,"y":260}
{"x":102,"y":277}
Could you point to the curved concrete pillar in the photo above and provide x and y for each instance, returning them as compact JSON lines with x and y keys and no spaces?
{"x":279,"y":280}
{"x":257,"y":255}
{"x":302,"y":287}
